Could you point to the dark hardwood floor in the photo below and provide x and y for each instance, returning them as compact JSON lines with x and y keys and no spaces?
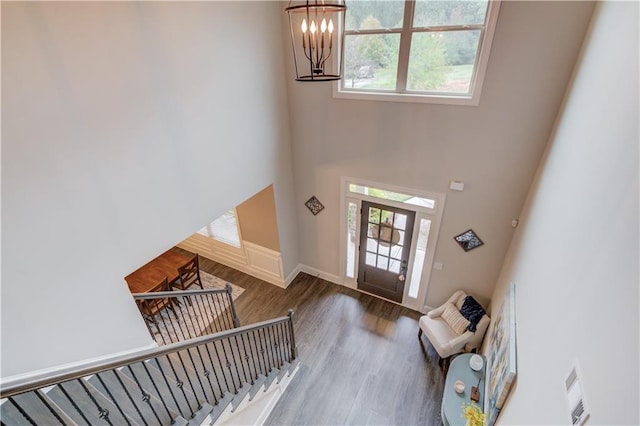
{"x":361,"y":362}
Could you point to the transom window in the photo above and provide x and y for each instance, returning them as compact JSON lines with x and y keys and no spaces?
{"x":417,"y":50}
{"x":223,"y":229}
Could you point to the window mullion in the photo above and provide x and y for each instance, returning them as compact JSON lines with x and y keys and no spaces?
{"x":405,"y":46}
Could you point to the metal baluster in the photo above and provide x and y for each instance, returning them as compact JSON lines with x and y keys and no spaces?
{"x":126,"y":391}
{"x":162,"y":335}
{"x":184,"y":323}
{"x":246,"y":361}
{"x":193,"y":389}
{"x":73,"y":403}
{"x":213,"y":370}
{"x":232,"y":364}
{"x":103,"y":413}
{"x":236,"y":320}
{"x":49,"y":407}
{"x":259,"y":353}
{"x":173,"y":328}
{"x":215,"y":348}
{"x":212,"y":313}
{"x":205,"y":372}
{"x":24,"y":413}
{"x":292,"y":337}
{"x":279,"y":343}
{"x":104,"y":385}
{"x":164,"y":376}
{"x":256,"y":369}
{"x":286,"y":350}
{"x":265,"y":349}
{"x":195,"y":369}
{"x":153,"y":382}
{"x":224,"y":322}
{"x":145,"y":396}
{"x":272,"y":346}
{"x":196,"y":305}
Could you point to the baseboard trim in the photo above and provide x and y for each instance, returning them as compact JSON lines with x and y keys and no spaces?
{"x":321,"y":274}
{"x":59,"y":369}
{"x":292,"y":276}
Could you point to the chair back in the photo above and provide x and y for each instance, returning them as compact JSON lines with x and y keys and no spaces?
{"x":189,"y":274}
{"x":151,"y":307}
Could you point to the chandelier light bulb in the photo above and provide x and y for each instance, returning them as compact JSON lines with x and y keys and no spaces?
{"x":313,"y":27}
{"x":323,"y":25}
{"x":330,"y":26}
{"x":303,"y":27}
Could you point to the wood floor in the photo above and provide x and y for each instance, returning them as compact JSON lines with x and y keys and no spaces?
{"x":361,"y":362}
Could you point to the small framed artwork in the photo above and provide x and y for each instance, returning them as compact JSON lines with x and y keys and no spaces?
{"x":468,"y":240}
{"x":314,"y":205}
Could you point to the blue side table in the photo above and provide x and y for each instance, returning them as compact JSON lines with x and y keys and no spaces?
{"x":451,"y":409}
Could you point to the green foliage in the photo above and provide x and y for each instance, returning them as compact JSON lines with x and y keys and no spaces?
{"x":428,"y":65}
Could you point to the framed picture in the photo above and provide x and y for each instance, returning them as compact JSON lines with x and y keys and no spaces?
{"x":501,"y":362}
{"x":468,"y":240}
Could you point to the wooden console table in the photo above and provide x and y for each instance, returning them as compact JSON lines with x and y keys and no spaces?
{"x":143,"y":279}
{"x":451,"y":409}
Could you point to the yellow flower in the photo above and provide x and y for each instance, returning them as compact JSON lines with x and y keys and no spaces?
{"x":474,"y":415}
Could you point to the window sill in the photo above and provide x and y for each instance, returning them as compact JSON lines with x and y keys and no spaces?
{"x":467,"y":100}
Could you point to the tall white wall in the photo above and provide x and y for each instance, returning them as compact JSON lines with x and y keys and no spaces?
{"x":126,"y":126}
{"x":494,"y":147}
{"x":574,"y":258}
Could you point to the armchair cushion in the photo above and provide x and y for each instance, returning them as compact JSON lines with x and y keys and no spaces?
{"x":454,"y":319}
{"x":472,"y":311}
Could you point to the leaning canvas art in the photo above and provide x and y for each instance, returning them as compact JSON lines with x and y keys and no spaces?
{"x":502,"y":356}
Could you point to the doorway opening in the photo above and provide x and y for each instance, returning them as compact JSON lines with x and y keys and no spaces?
{"x":390,"y":236}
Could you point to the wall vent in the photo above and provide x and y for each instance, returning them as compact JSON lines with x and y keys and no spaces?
{"x":575,"y":396}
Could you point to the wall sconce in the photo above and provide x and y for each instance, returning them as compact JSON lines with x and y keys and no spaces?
{"x":317,"y":38}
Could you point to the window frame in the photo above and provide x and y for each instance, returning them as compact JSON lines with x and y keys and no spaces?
{"x":401,"y":94}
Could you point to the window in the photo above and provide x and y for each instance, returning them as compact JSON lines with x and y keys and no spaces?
{"x":417,"y":50}
{"x":223,"y":229}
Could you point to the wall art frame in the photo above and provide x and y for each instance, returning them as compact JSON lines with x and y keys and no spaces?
{"x":501,"y":359}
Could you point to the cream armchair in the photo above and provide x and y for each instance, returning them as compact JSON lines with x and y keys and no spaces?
{"x":443,"y":337}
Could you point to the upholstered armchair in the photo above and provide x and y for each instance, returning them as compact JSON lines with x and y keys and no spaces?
{"x":449,"y":331}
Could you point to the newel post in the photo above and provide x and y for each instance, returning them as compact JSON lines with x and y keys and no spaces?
{"x":294,"y":350}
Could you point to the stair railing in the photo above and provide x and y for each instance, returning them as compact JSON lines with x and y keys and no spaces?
{"x":155,"y":386}
{"x":174,"y":316}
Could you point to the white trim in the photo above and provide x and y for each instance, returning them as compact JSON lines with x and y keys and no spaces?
{"x":433,"y":214}
{"x":320,"y":274}
{"x":292,"y":276}
{"x":468,"y":99}
{"x":87,"y":363}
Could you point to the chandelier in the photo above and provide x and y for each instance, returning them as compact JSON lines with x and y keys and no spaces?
{"x":317,"y":38}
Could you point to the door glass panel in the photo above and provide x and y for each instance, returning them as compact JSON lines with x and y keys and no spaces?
{"x":400,"y":221}
{"x":383,"y":249}
{"x":396,"y":252}
{"x":352,"y":220}
{"x":374,"y":215}
{"x":371,"y":259}
{"x":420,"y":254}
{"x":372,"y":245}
{"x":387,"y":217}
{"x":394,"y":266}
{"x":372,"y":231}
{"x":401,"y":240}
{"x":383,"y":262}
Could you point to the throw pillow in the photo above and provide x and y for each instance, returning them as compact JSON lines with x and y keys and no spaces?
{"x":454,"y":319}
{"x":472,"y":311}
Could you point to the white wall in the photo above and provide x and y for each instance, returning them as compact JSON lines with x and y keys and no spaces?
{"x":494,"y":147}
{"x":127,"y":126}
{"x":574,"y":259}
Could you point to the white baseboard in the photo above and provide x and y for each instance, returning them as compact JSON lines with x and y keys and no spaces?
{"x":320,"y":274}
{"x":292,"y":276}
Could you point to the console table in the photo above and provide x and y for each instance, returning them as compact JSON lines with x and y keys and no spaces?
{"x":451,"y":409}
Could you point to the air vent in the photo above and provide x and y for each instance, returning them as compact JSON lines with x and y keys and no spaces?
{"x":575,"y":395}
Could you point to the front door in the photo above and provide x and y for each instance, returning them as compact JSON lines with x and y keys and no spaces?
{"x":385,"y":242}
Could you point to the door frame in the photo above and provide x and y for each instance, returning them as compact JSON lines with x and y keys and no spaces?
{"x":433,"y":214}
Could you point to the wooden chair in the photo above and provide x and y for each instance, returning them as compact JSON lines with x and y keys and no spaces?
{"x":188,"y":275}
{"x":151,"y":307}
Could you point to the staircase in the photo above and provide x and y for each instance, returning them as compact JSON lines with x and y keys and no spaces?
{"x":227,"y":377}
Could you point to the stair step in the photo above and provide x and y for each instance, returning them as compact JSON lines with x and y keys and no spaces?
{"x":240,"y":396}
{"x":201,"y":414}
{"x":219,"y":408}
{"x":130,"y":397}
{"x":179,"y":400}
{"x":271,"y":378}
{"x":86,"y":406}
{"x":204,"y":388}
{"x":284,"y":372}
{"x":257,"y":386}
{"x":34,"y":407}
